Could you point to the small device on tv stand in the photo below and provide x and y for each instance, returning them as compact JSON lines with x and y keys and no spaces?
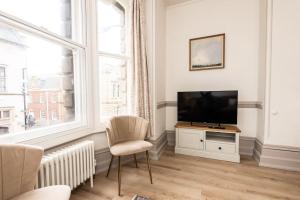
{"x":216,"y":126}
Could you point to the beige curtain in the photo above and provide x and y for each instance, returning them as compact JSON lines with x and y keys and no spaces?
{"x":141,"y":89}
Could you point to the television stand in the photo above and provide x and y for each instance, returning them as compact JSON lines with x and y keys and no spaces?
{"x":209,"y":142}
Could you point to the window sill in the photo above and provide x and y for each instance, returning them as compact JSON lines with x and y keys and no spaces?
{"x":52,"y":136}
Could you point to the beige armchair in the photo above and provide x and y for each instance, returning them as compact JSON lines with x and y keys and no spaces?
{"x":126,"y":136}
{"x":19,"y":165}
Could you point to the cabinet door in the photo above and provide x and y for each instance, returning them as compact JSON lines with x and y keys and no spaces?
{"x":192,"y":139}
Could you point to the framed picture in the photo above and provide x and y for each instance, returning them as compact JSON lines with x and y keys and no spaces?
{"x":207,"y":52}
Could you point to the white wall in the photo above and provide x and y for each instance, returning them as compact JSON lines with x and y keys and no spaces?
{"x":150,"y":22}
{"x":239,"y":20}
{"x":156,"y":28}
{"x":160,"y":64}
{"x":285,"y":72}
{"x":261,"y":92}
{"x":160,"y":45}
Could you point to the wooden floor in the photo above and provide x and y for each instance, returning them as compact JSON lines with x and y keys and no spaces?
{"x":185,"y":177}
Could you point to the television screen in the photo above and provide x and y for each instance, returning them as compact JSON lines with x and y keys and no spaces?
{"x":218,"y":107}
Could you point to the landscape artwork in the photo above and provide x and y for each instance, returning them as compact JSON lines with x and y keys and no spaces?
{"x":207,"y":52}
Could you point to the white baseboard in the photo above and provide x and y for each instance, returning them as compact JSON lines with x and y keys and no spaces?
{"x":279,"y":157}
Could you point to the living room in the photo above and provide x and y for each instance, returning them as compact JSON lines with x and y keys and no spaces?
{"x":108,"y":96}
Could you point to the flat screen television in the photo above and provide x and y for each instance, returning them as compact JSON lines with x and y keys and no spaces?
{"x":214,"y":107}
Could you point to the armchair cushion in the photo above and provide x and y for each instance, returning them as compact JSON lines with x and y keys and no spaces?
{"x":58,"y":192}
{"x":130,"y":147}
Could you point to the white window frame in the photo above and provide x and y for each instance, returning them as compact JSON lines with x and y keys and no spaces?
{"x":57,"y":134}
{"x":126,"y":4}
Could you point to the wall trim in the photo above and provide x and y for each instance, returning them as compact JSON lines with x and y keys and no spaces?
{"x":257,"y":150}
{"x":246,"y":145}
{"x":171,"y":138}
{"x":160,"y":105}
{"x":281,"y":148}
{"x":241,"y":104}
{"x":159,"y":146}
{"x":277,"y":156}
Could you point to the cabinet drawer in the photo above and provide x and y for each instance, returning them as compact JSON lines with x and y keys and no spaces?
{"x":220,"y":147}
{"x":190,"y":139}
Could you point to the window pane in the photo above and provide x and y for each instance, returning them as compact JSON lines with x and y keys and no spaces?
{"x":113,"y":87}
{"x":2,"y":78}
{"x":111,"y":27}
{"x":6,"y":114}
{"x":62,"y":17}
{"x":37,"y":71}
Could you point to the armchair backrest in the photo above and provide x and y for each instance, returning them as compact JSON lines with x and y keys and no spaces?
{"x":126,"y":128}
{"x":19,"y":165}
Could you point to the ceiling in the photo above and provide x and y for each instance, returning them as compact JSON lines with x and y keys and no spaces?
{"x":173,"y":2}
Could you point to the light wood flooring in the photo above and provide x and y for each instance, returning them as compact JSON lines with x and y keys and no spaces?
{"x":190,"y":178}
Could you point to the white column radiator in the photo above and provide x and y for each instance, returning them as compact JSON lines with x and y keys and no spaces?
{"x":71,"y":166}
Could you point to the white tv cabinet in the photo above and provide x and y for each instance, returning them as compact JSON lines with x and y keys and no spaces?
{"x":200,"y":140}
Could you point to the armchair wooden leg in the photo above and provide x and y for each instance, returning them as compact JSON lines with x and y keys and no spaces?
{"x":149,"y":167}
{"x":119,"y":176}
{"x":136,"y":164}
{"x":111,"y":160}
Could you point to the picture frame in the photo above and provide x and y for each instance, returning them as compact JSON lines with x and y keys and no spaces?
{"x":207,"y":52}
